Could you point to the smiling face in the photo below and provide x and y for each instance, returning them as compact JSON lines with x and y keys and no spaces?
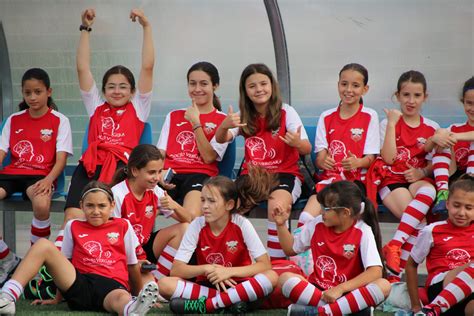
{"x":460,"y":207}
{"x":97,"y":207}
{"x":351,"y":87}
{"x":36,"y":95}
{"x":148,"y":176}
{"x":411,"y":98}
{"x":214,"y":207}
{"x":200,"y":88}
{"x":117,"y":90}
{"x":258,"y":88}
{"x":468,"y":103}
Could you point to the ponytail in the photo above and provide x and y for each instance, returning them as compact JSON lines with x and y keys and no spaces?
{"x":119,"y":175}
{"x":216,"y":102}
{"x":370,"y":217}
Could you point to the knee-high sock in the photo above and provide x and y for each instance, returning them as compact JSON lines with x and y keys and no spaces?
{"x":407,"y":246}
{"x":4,"y":250}
{"x":273,"y":244}
{"x":40,"y":229}
{"x":163,"y":266}
{"x":13,"y":289}
{"x":192,"y":291}
{"x":248,"y":291}
{"x":414,"y":214}
{"x":59,"y":240}
{"x":301,"y":292}
{"x":304,"y":218}
{"x":441,"y":163}
{"x":354,"y":301}
{"x":470,"y":160}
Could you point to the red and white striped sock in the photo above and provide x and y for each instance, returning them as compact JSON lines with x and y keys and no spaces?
{"x":13,"y":289}
{"x":4,"y":250}
{"x":354,"y":301}
{"x":414,"y":214}
{"x":40,"y":229}
{"x":470,"y":159}
{"x":59,"y":240}
{"x":301,"y":292}
{"x":273,"y":243}
{"x":192,"y":291}
{"x":304,"y":218}
{"x":441,"y":163}
{"x":248,"y":291}
{"x":163,"y":266}
{"x":457,"y":290}
{"x":407,"y":246}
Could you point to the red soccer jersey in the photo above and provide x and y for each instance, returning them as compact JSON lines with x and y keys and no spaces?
{"x":140,"y":213}
{"x":445,"y":247}
{"x":338,"y":257}
{"x":461,"y":148}
{"x":177,"y":138}
{"x":105,"y":250}
{"x":410,"y":147}
{"x":34,"y":141}
{"x":235,"y":246}
{"x":357,"y":135}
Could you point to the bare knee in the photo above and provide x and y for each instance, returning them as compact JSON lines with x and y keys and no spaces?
{"x":272,"y":276}
{"x":285,"y":277}
{"x":384,"y":286}
{"x":167,"y":286}
{"x":72,"y":213}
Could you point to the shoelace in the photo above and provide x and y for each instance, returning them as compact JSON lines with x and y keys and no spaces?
{"x":198,"y":305}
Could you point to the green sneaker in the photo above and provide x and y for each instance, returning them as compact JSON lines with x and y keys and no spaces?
{"x":440,"y":204}
{"x":184,"y":306}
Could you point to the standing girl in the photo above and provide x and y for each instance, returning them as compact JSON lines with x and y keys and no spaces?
{"x":138,"y":199}
{"x":448,"y":248}
{"x":274,"y":139}
{"x":92,"y":272}
{"x":232,"y":264}
{"x":347,"y":137}
{"x":347,"y":275}
{"x":39,"y":141}
{"x":115,"y":125}
{"x":186,"y":135}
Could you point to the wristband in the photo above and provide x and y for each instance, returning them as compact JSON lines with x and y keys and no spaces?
{"x":196,"y":127}
{"x":85,"y":28}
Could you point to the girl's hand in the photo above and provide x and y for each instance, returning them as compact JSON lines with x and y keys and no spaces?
{"x":444,"y":138}
{"x":280,"y":214}
{"x":142,"y":19}
{"x":192,"y":114}
{"x":331,"y":295}
{"x":167,"y":202}
{"x":232,"y":120}
{"x":43,"y":187}
{"x":88,"y":17}
{"x":220,"y":274}
{"x":292,"y":139}
{"x":393,"y":115}
{"x":351,"y":162}
{"x":45,"y":302}
{"x":329,"y":163}
{"x":413,"y":175}
{"x":416,"y":308}
{"x":222,"y":285}
{"x":166,"y":186}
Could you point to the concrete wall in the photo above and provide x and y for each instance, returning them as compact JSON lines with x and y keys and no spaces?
{"x":387,"y":36}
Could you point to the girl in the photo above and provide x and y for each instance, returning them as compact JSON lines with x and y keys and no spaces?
{"x":407,"y":142}
{"x":448,"y":248}
{"x":93,"y":270}
{"x":347,"y":273}
{"x":232,"y":264}
{"x":452,"y":161}
{"x":347,"y":137}
{"x":186,"y":134}
{"x":115,"y":125}
{"x":138,"y":199}
{"x":39,"y":141}
{"x":274,"y":139}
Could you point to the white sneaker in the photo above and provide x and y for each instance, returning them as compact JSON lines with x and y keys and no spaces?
{"x":7,"y":266}
{"x":7,"y":306}
{"x":144,"y":301}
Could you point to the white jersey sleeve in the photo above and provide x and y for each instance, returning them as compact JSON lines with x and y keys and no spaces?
{"x":68,"y":244}
{"x":293,"y":121}
{"x":163,"y":140}
{"x":302,"y":240}
{"x":190,"y":240}
{"x":372,"y":141}
{"x":159,"y":194}
{"x":433,"y":124}
{"x":5,"y":140}
{"x":368,"y":248}
{"x":251,"y":238}
{"x":119,"y":190}
{"x":218,"y":148}
{"x":321,"y":141}
{"x":423,"y":244}
{"x":91,"y":99}
{"x":64,"y":139}
{"x":131,"y":243}
{"x":142,"y":104}
{"x":383,"y":129}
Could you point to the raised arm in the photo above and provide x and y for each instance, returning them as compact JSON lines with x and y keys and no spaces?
{"x":83,"y":52}
{"x":145,"y":81}
{"x":389,"y":147}
{"x":223,"y":135}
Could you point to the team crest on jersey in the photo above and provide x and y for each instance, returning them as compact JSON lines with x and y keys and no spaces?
{"x":149,"y":211}
{"x":112,"y":237}
{"x":209,"y":127}
{"x":46,"y":134}
{"x":420,"y":142}
{"x":232,"y":246}
{"x":356,"y":134}
{"x":120,"y":112}
{"x":349,"y":250}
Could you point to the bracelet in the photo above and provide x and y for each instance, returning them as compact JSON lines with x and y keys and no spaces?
{"x":85,"y":28}
{"x":196,"y":127}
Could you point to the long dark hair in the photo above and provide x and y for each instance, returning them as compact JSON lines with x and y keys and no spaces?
{"x":226,"y":188}
{"x":40,"y":75}
{"x":139,"y":158}
{"x":213,"y":73}
{"x":360,"y":69}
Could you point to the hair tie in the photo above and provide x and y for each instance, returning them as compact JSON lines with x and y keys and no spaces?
{"x":362,"y":207}
{"x":110,"y":197}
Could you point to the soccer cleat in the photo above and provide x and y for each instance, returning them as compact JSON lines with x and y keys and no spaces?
{"x":392,"y":255}
{"x":440,"y":204}
{"x":302,"y":310}
{"x":8,"y":266}
{"x":239,"y":308}
{"x":431,"y":310}
{"x":180,"y":305}
{"x":144,"y":301}
{"x":7,"y":306}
